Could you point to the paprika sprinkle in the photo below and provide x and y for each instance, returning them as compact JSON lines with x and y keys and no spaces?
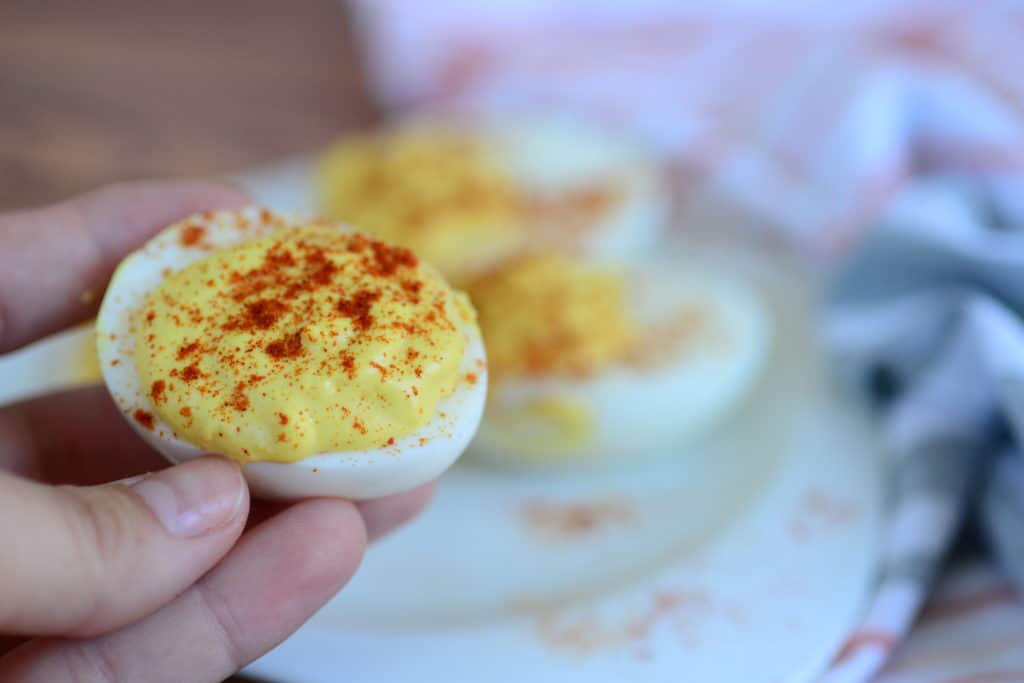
{"x":277,"y":340}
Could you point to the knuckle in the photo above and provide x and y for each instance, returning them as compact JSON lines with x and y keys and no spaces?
{"x":103,"y":531}
{"x":90,"y":663}
{"x":102,"y":524}
{"x":228,"y":628}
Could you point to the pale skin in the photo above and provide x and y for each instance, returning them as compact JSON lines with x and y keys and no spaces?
{"x":109,"y":574}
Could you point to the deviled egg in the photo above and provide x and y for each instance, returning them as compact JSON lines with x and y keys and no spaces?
{"x":324,"y":361}
{"x":468,"y":195}
{"x":596,"y":364}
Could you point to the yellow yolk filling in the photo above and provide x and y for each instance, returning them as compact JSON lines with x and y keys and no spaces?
{"x":308,"y":341}
{"x":547,"y":315}
{"x":544,"y":427}
{"x":433,"y":191}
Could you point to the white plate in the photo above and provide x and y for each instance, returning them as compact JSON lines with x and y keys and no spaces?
{"x":744,"y":557}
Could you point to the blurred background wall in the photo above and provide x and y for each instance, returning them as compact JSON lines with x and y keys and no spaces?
{"x":92,"y":92}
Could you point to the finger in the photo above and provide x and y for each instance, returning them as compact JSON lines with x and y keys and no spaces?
{"x":55,"y":261}
{"x":278,"y":575}
{"x":380,"y":515}
{"x":383,"y":515}
{"x":65,"y":438}
{"x":89,"y":420}
{"x":81,"y":561}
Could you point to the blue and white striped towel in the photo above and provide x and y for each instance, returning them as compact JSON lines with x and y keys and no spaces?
{"x":926,"y":319}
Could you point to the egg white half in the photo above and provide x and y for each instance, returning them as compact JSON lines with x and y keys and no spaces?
{"x":638,"y":412}
{"x":412,"y":460}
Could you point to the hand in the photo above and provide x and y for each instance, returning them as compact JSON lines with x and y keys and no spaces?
{"x":149,"y":577}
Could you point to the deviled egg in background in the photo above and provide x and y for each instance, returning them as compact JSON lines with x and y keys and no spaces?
{"x":466,"y":195}
{"x":593,"y":364}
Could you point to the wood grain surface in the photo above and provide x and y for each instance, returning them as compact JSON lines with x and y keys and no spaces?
{"x":93,"y":92}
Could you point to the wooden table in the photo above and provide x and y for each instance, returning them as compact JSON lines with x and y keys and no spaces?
{"x":92,"y":92}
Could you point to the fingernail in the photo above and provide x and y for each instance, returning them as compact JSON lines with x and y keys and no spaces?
{"x":194,"y":498}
